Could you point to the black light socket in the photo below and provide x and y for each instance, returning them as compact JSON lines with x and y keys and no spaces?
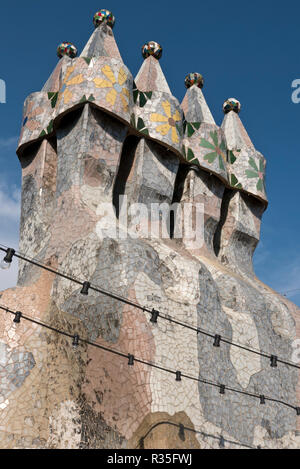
{"x":217,"y":340}
{"x":222,"y":388}
{"x":262,"y":399}
{"x":9,"y":255}
{"x":141,"y":443}
{"x":178,"y":375}
{"x":18,"y":316}
{"x":130,"y":359}
{"x":154,"y":315}
{"x":85,"y":288}
{"x":181,"y":432}
{"x":274,"y":359}
{"x":75,"y":342}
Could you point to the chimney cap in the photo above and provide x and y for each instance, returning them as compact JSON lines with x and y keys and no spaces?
{"x":194,"y":79}
{"x":152,"y":48}
{"x":66,"y":48}
{"x":104,"y":16}
{"x":231,"y":104}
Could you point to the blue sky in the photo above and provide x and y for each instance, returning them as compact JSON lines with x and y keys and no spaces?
{"x":247,"y":50}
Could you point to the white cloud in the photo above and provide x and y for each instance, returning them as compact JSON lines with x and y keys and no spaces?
{"x":9,"y":203}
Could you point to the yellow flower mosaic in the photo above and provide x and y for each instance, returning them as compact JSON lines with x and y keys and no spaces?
{"x":65,"y":92}
{"x":115,"y":84}
{"x":170,"y":121}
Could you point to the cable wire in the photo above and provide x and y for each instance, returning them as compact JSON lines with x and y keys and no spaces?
{"x":182,"y":427}
{"x":168,"y":318}
{"x":131,"y":359}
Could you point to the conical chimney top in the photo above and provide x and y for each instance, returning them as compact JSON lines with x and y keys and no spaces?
{"x":194,"y":104}
{"x":150,"y":76}
{"x":233,"y":128}
{"x":102,"y":42}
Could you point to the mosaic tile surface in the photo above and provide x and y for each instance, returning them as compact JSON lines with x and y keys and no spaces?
{"x":66,"y":48}
{"x":194,"y":79}
{"x":104,"y":16}
{"x":91,"y":135}
{"x":147,"y":105}
{"x":152,"y":48}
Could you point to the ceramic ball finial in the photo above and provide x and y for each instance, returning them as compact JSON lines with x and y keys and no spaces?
{"x":194,"y":79}
{"x":66,"y":48}
{"x":104,"y":16}
{"x":231,"y":104}
{"x":152,"y":48}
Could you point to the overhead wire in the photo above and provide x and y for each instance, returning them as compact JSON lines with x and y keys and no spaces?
{"x":132,"y":359}
{"x":155,"y":314}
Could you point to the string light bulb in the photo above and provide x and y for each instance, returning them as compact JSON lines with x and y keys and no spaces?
{"x":85,"y":288}
{"x":222,"y":388}
{"x":75,"y":342}
{"x":142,"y":443}
{"x":154,"y":315}
{"x":217,"y":340}
{"x":17,"y":317}
{"x":181,"y":432}
{"x":273,"y":361}
{"x":130,"y":359}
{"x":7,"y":260}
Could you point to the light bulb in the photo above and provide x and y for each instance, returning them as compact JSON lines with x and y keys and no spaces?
{"x":75,"y":342}
{"x":5,"y":265}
